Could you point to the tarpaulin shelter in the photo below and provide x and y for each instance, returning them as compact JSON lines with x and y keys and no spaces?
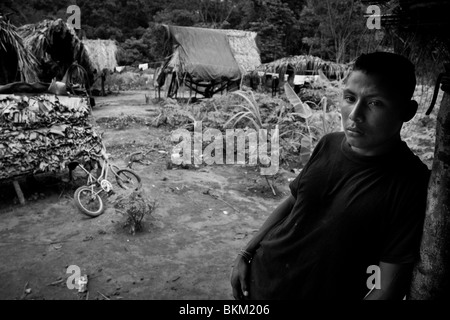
{"x":202,"y":59}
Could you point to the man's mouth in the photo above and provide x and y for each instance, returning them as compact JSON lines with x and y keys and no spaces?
{"x":354,"y":130}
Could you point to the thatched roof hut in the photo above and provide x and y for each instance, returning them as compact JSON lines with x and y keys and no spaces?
{"x":306,"y":65}
{"x":16,"y":62}
{"x":102,"y":53}
{"x":244,"y":47}
{"x":56,"y":46}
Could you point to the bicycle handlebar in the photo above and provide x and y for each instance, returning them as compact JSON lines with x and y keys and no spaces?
{"x":101,"y":154}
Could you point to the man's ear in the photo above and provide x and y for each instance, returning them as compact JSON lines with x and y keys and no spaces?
{"x":410,"y":110}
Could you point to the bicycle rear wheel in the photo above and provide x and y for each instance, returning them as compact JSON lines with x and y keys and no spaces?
{"x":128,"y":179}
{"x":88,"y":202}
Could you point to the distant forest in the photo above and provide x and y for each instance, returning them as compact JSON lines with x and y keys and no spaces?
{"x":331,"y":29}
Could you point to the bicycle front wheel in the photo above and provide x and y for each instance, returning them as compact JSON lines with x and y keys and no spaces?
{"x":128,"y":179}
{"x":88,"y":202}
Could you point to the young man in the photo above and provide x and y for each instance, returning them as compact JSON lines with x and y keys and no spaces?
{"x":358,"y":204}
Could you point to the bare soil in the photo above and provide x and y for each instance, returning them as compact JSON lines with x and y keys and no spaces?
{"x":188,"y":244}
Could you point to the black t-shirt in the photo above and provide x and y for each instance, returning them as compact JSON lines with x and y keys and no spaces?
{"x":351,"y":212}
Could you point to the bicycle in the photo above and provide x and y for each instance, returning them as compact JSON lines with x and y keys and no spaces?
{"x":87,"y":198}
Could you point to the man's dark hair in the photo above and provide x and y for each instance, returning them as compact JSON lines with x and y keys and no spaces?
{"x":396,"y":68}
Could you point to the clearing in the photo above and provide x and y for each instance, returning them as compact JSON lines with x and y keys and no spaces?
{"x":188,"y":244}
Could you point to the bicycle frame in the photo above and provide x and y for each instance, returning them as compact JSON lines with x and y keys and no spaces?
{"x":90,"y":192}
{"x":106,"y":166}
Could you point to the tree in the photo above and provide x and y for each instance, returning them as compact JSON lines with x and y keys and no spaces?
{"x":333,"y":29}
{"x":178,"y":17}
{"x":32,"y":11}
{"x":216,"y":13}
{"x":133,"y":51}
{"x":295,"y":5}
{"x":147,"y":48}
{"x":431,"y":277}
{"x":271,"y":19}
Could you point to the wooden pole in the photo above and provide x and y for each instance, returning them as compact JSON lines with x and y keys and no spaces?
{"x":19,"y":192}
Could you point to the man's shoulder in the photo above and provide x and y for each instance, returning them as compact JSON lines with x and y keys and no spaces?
{"x":411,"y":162}
{"x":333,"y":138}
{"x":409,"y":166}
{"x":329,"y":143}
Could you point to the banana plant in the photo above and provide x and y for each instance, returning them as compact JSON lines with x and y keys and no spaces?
{"x":303,"y":110}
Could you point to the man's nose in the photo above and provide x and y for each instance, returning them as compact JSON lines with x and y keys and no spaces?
{"x":357,"y":113}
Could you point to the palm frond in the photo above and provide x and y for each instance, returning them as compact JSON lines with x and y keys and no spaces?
{"x":55,"y":41}
{"x":305,"y":64}
{"x":11,"y":41}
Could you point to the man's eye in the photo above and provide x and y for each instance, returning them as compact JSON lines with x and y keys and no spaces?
{"x":349,"y":99}
{"x":375,"y":103}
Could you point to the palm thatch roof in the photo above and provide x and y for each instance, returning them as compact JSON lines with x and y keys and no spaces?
{"x":305,"y":64}
{"x":56,"y":46}
{"x":16,"y":62}
{"x":102,"y":53}
{"x":244,"y":47}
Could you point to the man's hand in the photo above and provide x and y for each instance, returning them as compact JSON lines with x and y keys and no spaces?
{"x":239,"y":275}
{"x":239,"y":278}
{"x":445,"y":83}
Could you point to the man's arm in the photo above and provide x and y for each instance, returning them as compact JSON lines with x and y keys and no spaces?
{"x":239,"y":281}
{"x":394,"y":282}
{"x":277,"y":215}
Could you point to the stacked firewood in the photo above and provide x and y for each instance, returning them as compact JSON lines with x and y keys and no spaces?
{"x":43,"y":133}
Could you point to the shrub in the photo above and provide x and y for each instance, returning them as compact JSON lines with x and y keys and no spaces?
{"x":135,"y":205}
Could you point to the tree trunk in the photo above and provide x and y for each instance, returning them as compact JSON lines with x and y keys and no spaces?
{"x":432,"y":274}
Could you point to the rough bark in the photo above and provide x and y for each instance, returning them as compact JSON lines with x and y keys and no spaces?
{"x":431,"y":276}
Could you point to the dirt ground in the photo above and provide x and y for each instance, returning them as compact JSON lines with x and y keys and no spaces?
{"x":188,"y":244}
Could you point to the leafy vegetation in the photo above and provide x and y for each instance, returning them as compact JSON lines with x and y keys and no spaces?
{"x":285,"y":27}
{"x":135,"y":205}
{"x":247,"y":110}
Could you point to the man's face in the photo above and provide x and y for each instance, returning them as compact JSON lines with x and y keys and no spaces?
{"x":371,"y":114}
